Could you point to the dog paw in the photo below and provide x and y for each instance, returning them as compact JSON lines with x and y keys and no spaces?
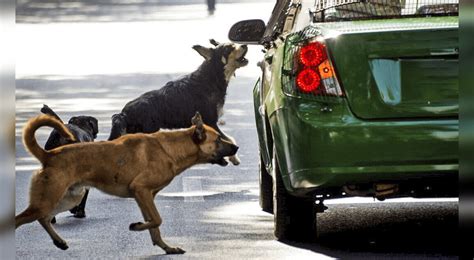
{"x":80,"y":214}
{"x":174,"y":251}
{"x":74,"y":210}
{"x":61,"y":244}
{"x":134,"y":226}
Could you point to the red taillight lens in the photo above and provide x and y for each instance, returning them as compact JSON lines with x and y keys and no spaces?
{"x":313,"y":54}
{"x":315,"y":73}
{"x":308,"y":80}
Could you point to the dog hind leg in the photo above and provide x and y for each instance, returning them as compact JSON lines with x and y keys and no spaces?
{"x":79,"y":211}
{"x":29,"y":215}
{"x":153,"y":220}
{"x":38,"y":208}
{"x":57,"y":240}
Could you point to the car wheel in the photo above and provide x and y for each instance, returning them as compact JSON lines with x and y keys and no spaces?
{"x":294,"y":218}
{"x":266,"y":189}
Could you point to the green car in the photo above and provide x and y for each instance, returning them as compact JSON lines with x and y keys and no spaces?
{"x":356,"y":98}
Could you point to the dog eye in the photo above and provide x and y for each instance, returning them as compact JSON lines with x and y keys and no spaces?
{"x":227,"y":51}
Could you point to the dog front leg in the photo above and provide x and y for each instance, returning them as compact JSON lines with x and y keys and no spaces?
{"x":157,"y":240}
{"x":153,"y":220}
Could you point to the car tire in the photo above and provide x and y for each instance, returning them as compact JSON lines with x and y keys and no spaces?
{"x":266,"y":188}
{"x":294,"y":218}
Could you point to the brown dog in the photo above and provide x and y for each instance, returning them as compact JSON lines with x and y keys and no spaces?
{"x":132,"y":166}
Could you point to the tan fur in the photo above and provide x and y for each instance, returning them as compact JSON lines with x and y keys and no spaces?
{"x":135,"y":166}
{"x":29,"y":134}
{"x":232,"y":64}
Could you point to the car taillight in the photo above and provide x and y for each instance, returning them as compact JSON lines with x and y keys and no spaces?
{"x":308,"y":80}
{"x":315,"y":73}
{"x":312,"y":54}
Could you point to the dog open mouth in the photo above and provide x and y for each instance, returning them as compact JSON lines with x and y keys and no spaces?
{"x":218,"y":158}
{"x":220,"y":161}
{"x":242,"y":60}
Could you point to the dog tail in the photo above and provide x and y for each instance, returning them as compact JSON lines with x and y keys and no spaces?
{"x":33,"y":124}
{"x":48,"y":111}
{"x":119,"y":126}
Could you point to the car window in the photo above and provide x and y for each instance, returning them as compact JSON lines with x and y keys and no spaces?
{"x":276,"y":22}
{"x":347,"y":10}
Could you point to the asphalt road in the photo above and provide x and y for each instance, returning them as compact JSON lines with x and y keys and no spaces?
{"x":85,"y":62}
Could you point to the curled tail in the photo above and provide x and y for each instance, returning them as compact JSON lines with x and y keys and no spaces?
{"x":119,"y":126}
{"x":48,"y":111}
{"x":32,"y":125}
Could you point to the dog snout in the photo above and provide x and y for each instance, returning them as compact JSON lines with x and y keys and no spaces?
{"x":244,"y":49}
{"x":234,"y":149}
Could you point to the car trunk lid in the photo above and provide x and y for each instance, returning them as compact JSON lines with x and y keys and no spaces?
{"x":400,"y":68}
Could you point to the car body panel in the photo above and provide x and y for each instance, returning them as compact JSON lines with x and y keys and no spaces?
{"x":370,"y":135}
{"x":399,"y":74}
{"x":335,"y":148}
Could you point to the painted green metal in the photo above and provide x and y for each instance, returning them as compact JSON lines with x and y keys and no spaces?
{"x":320,"y":145}
{"x":318,"y":148}
{"x":402,"y":74}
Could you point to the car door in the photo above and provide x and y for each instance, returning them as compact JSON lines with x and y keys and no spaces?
{"x":274,"y":28}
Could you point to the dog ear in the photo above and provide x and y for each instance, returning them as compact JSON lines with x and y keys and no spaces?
{"x":214,"y":42}
{"x":94,"y":124}
{"x":199,"y":134}
{"x":203,"y":51}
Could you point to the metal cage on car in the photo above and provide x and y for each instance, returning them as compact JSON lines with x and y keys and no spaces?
{"x":348,"y":10}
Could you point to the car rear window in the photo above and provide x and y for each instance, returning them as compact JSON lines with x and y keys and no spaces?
{"x":348,"y":10}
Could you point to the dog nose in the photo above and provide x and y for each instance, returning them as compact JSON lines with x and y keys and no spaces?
{"x":234,"y":148}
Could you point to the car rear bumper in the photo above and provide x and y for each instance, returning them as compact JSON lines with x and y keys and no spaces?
{"x":322,"y":146}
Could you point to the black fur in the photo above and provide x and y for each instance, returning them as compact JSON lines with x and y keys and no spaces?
{"x":84,"y":129}
{"x":170,"y":107}
{"x":60,"y":245}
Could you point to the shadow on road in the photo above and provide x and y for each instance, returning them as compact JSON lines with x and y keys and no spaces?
{"x":387,"y":229}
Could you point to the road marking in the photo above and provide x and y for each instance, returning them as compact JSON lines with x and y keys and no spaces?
{"x":27,"y":167}
{"x":193,"y":185}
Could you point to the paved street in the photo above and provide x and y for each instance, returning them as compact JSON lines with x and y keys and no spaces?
{"x":91,"y":57}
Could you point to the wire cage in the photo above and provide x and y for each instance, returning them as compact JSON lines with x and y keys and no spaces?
{"x":349,"y":10}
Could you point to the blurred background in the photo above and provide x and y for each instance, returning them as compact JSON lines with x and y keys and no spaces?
{"x":7,"y":129}
{"x":90,"y":37}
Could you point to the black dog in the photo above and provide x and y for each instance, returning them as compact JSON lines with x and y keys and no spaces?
{"x":170,"y":107}
{"x":85,"y":129}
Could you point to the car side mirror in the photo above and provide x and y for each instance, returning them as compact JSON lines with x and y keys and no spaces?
{"x":247,"y":31}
